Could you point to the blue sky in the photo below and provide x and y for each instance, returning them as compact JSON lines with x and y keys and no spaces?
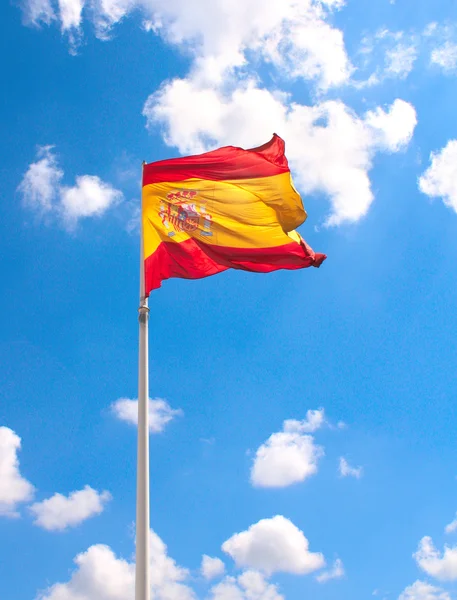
{"x":303,"y":435}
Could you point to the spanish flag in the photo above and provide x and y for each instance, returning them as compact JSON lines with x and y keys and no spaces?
{"x":229,"y":208}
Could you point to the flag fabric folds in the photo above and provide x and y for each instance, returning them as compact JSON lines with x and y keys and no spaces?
{"x":228,"y":208}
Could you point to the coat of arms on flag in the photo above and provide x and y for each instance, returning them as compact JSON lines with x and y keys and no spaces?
{"x":228,"y":208}
{"x":181,"y":210}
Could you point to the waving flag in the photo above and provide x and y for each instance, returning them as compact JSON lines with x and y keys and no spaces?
{"x":229,"y":208}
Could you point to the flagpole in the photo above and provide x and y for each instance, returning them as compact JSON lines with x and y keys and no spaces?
{"x":142,"y":576}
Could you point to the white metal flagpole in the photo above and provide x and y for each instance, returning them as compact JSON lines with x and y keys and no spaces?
{"x":142,"y":577}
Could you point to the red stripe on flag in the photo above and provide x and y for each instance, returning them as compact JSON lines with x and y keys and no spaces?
{"x":223,"y":164}
{"x":193,"y":260}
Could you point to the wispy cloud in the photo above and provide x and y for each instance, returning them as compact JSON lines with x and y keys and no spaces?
{"x":346,"y":470}
{"x":445,"y":56}
{"x":336,"y":572}
{"x":452,"y":526}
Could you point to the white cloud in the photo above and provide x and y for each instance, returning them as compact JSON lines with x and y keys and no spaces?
{"x":42,"y":191}
{"x":167,"y":578}
{"x":445,"y":56}
{"x":222,"y":100}
{"x":336,"y":572}
{"x":392,"y":55}
{"x":330,"y":149}
{"x":441,"y":43}
{"x":250,"y":585}
{"x":107,"y":13}
{"x":160,"y":412}
{"x":211,"y":567}
{"x":451,"y":527}
{"x":37,"y":12}
{"x":305,"y":45}
{"x":395,"y":127}
{"x":293,"y":34}
{"x":346,"y":470}
{"x":90,"y":197}
{"x":60,"y":512}
{"x":430,"y":29}
{"x":70,"y":12}
{"x":289,"y":456}
{"x":441,"y":566}
{"x":315,"y":419}
{"x":440,"y":179}
{"x":273,"y":545}
{"x":14,"y":489}
{"x":284,"y":459}
{"x":400,"y":60}
{"x":420,"y":590}
{"x":100,"y":574}
{"x":40,"y":184}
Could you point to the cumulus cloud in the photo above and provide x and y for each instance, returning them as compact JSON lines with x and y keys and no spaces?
{"x":289,"y":456}
{"x":101,"y":574}
{"x":211,"y":567}
{"x":420,"y":590}
{"x":250,"y":585}
{"x":284,"y":459}
{"x":61,"y":512}
{"x":293,"y":35}
{"x":441,"y":566}
{"x":306,"y":45}
{"x":329,"y":147}
{"x":14,"y":488}
{"x":336,"y":572}
{"x":346,"y":470}
{"x":440,"y":179}
{"x":90,"y":197}
{"x":42,"y":191}
{"x":160,"y":412}
{"x":273,"y":545}
{"x":222,"y":99}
